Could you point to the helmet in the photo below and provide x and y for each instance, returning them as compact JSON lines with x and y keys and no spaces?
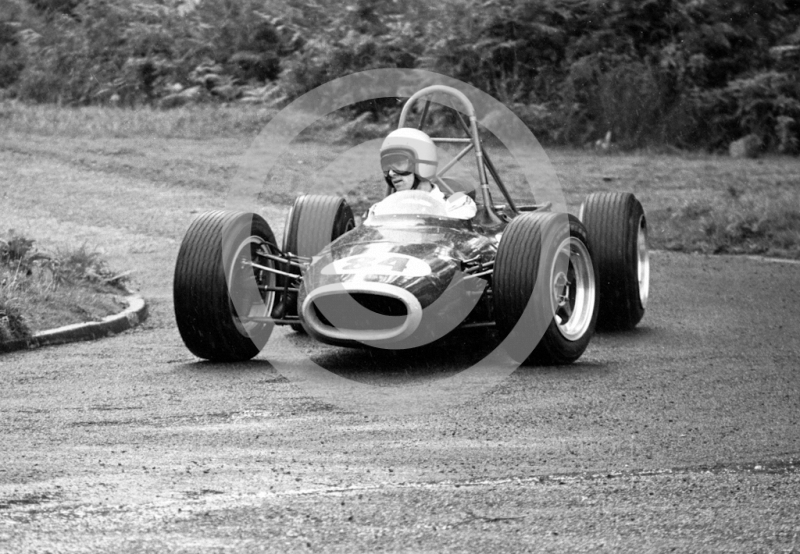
{"x":409,"y":150}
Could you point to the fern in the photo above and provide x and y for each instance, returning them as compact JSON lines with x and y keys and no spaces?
{"x":683,"y":72}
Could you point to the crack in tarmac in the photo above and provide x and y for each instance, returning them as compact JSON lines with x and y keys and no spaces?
{"x":43,"y":502}
{"x":770,"y":467}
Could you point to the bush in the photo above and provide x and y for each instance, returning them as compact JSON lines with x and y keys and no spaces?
{"x":620,"y":95}
{"x":367,"y":37}
{"x":130,"y":53}
{"x":40,"y":290}
{"x":680,"y":72}
{"x":766,"y":104}
{"x":19,"y":258}
{"x":12,"y":323}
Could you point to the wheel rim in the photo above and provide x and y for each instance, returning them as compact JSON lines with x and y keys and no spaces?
{"x":643,"y":262}
{"x":248,"y":284}
{"x":573,"y":289}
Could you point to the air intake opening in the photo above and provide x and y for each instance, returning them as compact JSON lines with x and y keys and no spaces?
{"x":373,"y":312}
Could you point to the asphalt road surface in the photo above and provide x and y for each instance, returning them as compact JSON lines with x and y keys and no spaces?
{"x":682,"y":435}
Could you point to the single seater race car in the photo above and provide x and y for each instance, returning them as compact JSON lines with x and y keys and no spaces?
{"x":409,"y":274}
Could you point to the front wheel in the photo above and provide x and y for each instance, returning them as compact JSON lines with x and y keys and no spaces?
{"x":544,"y":288}
{"x":223,"y":298}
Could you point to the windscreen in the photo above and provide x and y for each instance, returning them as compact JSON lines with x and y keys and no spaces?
{"x":410,"y":202}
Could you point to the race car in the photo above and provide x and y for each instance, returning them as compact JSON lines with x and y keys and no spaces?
{"x":410,"y":274}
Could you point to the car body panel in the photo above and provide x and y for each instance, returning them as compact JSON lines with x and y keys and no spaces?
{"x":418,"y":260}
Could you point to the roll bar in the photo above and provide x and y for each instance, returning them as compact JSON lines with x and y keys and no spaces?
{"x":473,"y":142}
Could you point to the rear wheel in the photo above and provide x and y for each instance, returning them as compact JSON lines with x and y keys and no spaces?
{"x":544,"y":288}
{"x":617,"y":229}
{"x":312,"y":224}
{"x":221,"y":299}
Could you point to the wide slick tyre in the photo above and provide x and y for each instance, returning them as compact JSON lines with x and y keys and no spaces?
{"x":314,"y":221}
{"x":617,"y":228}
{"x":222,"y":301}
{"x":544,"y":288}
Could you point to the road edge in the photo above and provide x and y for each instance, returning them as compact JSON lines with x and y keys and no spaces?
{"x":130,"y":317}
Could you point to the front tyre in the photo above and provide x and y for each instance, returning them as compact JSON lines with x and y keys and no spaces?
{"x":544,"y":288}
{"x":222,"y":299}
{"x":617,"y":227}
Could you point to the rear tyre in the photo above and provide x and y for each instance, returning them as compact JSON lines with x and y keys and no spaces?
{"x":312,"y":224}
{"x":221,"y":301}
{"x":544,"y":288}
{"x":617,"y":229}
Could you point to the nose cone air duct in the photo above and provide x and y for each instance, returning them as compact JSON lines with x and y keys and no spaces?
{"x":361,"y":311}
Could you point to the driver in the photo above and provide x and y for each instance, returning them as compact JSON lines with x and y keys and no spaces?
{"x":409,"y":162}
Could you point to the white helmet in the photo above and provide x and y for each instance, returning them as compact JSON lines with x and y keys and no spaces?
{"x":408,"y":149}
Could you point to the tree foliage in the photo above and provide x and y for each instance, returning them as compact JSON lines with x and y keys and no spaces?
{"x":683,"y":72}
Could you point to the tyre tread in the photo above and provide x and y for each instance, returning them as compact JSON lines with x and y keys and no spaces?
{"x":612,"y":221}
{"x":200,"y":291}
{"x":519,"y":256}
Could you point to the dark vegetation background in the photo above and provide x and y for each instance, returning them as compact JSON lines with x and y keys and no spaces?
{"x":686,"y":73}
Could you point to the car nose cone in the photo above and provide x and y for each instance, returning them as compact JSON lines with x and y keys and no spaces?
{"x":362,"y":311}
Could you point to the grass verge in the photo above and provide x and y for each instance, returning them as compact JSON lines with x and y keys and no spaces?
{"x":39,"y":290}
{"x":736,"y":222}
{"x":698,"y":202}
{"x":191,"y":122}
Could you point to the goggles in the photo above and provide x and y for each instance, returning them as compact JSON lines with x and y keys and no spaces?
{"x":399,"y":173}
{"x":399,"y":162}
{"x":402,"y":161}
